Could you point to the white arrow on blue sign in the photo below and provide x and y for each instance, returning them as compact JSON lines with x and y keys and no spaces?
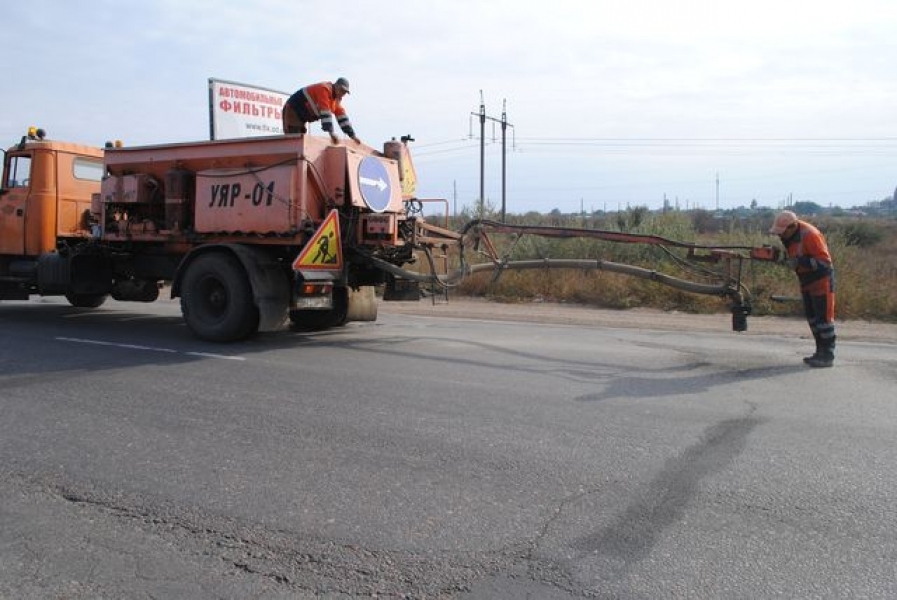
{"x":373,"y":181}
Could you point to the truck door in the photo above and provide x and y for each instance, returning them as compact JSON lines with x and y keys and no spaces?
{"x":16,"y":186}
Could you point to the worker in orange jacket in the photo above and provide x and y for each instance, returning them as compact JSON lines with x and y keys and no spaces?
{"x":318,"y":101}
{"x":807,"y":253}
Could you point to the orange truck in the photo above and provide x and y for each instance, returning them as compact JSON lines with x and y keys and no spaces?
{"x":250,"y":233}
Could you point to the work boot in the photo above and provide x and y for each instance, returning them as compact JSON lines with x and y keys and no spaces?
{"x":818,"y":352}
{"x":816,"y":355}
{"x":825,"y":358}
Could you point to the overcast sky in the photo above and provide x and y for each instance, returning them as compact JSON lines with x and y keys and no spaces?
{"x":612,"y":103}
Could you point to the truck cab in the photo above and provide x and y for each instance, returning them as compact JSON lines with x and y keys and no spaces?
{"x":45,"y":197}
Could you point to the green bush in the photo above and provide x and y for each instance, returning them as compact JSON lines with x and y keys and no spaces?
{"x":858,"y":233}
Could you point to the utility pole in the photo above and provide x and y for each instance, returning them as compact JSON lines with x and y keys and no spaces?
{"x":504,"y":153}
{"x":482,"y":154}
{"x":504,"y":126}
{"x":717,"y":191}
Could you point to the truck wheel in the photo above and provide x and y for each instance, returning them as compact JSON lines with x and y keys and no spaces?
{"x":317,"y":320}
{"x":86,"y":300}
{"x":216,"y":299}
{"x":362,"y":304}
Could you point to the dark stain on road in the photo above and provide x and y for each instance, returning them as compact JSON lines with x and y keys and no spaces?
{"x":632,"y":535}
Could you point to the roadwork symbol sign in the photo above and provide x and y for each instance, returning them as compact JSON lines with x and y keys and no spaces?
{"x":323,"y":251}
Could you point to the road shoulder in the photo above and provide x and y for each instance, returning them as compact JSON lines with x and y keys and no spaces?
{"x":638,"y":318}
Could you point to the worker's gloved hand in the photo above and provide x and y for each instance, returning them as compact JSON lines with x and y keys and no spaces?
{"x":791,"y":263}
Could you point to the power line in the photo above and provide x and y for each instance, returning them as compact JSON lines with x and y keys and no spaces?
{"x":869,"y":147}
{"x":713,"y":139}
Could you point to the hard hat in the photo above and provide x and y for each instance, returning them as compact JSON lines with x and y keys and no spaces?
{"x":343,"y":83}
{"x":783,"y":220}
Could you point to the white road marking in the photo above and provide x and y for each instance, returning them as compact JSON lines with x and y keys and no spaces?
{"x":148,"y":348}
{"x":221,"y":356}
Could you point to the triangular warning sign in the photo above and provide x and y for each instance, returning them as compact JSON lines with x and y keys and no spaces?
{"x":323,"y":252}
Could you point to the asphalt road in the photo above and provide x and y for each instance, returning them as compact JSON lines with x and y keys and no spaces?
{"x":433,"y":457}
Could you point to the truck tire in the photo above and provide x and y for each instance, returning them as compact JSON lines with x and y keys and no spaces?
{"x":318,"y":320}
{"x":216,"y":299}
{"x":362,"y":304}
{"x":86,"y":300}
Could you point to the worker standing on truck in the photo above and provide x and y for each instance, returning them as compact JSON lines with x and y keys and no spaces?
{"x":318,"y":101}
{"x":806,"y":252}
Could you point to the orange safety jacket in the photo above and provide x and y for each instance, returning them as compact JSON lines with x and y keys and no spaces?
{"x":317,"y":101}
{"x":814,"y":269}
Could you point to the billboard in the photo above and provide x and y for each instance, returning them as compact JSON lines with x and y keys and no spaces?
{"x":238,"y":110}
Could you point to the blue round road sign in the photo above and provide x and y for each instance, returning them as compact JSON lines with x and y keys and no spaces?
{"x":373,"y":181}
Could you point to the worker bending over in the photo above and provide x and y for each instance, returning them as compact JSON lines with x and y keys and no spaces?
{"x":318,"y":101}
{"x":807,"y":253}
